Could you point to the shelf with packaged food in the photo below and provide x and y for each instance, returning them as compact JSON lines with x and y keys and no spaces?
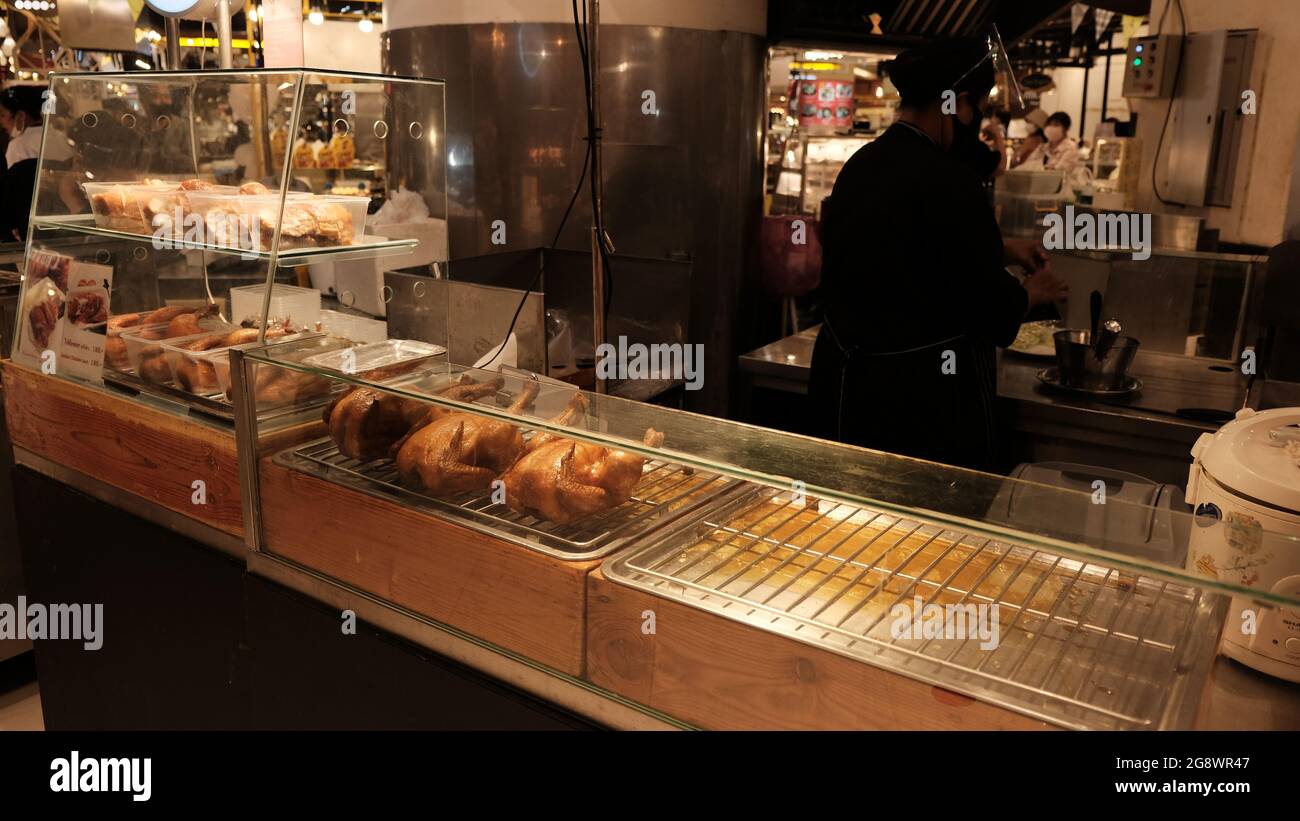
{"x":144,"y":248}
{"x":365,"y":247}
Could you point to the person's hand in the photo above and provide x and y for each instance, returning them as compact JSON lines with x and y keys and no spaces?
{"x":1045,"y":287}
{"x":1028,"y":254}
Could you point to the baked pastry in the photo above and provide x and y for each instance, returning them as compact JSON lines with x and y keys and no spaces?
{"x":254,"y":189}
{"x":115,"y":355}
{"x":333,"y":223}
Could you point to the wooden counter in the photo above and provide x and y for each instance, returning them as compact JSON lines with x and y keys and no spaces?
{"x":141,"y":449}
{"x":519,"y":599}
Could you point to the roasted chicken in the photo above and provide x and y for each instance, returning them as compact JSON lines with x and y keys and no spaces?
{"x":564,"y":480}
{"x":365,"y":424}
{"x":454,"y":452}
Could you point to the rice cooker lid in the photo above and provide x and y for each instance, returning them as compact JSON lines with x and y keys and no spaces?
{"x":1257,"y":455}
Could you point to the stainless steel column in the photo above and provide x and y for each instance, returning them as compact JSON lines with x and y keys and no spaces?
{"x":683,"y":179}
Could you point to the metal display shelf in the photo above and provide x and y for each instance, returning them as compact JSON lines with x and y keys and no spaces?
{"x":665,"y":493}
{"x":370,"y":247}
{"x":1077,"y":644}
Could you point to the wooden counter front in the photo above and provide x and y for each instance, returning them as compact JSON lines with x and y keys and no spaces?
{"x":519,"y":599}
{"x":128,"y":444}
{"x":716,"y":673}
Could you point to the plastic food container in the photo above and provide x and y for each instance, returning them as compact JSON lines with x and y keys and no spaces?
{"x":358,"y":329}
{"x":185,"y":365}
{"x":289,"y":303}
{"x":248,"y":221}
{"x":140,"y":341}
{"x":208,"y":372}
{"x":169,"y":350}
{"x":130,"y":207}
{"x":142,"y":207}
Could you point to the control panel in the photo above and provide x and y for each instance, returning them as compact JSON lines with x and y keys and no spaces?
{"x":1152,"y":64}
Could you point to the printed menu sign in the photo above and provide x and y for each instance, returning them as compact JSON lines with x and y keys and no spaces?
{"x":65,"y":315}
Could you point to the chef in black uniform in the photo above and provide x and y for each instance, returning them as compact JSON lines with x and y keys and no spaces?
{"x":917,"y":296}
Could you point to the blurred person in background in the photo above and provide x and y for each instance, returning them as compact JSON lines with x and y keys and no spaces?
{"x":21,"y":118}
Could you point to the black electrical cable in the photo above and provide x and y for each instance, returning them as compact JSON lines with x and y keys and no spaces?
{"x":582,"y":178}
{"x":593,"y":131}
{"x":1178,"y":71}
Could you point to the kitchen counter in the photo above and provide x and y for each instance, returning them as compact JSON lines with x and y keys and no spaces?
{"x":1169,"y":383}
{"x":1144,"y":434}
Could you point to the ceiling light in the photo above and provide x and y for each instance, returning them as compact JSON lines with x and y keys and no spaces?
{"x":315,"y":17}
{"x":366,"y":25}
{"x":142,"y":64}
{"x":252,"y":14}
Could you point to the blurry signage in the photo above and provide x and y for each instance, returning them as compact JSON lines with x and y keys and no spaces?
{"x":815,"y":66}
{"x":824,"y":103}
{"x":97,"y":25}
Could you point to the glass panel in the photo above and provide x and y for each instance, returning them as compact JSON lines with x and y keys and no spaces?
{"x":1180,"y":303}
{"x":168,"y":204}
{"x":1090,"y":526}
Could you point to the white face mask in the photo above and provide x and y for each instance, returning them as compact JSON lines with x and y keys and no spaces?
{"x":1054,"y":133}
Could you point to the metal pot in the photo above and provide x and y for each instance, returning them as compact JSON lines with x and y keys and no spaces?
{"x":1078,"y":368}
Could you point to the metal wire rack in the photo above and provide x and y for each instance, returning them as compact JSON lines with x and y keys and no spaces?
{"x":665,"y":493}
{"x":1072,"y":642}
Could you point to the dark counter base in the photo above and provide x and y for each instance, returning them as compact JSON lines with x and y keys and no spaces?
{"x":193,"y":641}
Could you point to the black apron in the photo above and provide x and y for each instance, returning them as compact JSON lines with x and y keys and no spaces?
{"x":903,"y":402}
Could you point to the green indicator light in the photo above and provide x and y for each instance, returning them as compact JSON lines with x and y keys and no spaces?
{"x":1137,"y":61}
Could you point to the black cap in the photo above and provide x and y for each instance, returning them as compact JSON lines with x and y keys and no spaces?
{"x":27,"y":99}
{"x":922,"y":74}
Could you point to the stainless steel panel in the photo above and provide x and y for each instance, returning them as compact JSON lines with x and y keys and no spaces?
{"x":1239,"y":55}
{"x":467,"y":318}
{"x":97,"y":25}
{"x":1195,"y":109}
{"x":683,"y":185}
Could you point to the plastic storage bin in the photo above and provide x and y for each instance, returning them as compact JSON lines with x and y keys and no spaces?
{"x":247,"y":222}
{"x":289,"y":303}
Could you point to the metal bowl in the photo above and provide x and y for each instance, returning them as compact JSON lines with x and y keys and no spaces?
{"x":1079,"y":369}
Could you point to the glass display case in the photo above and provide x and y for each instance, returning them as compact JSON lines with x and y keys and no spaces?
{"x":1097,"y":620}
{"x":200,"y":212}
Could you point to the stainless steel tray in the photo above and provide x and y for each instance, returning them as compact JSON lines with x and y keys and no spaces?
{"x":377,"y":361}
{"x":1079,"y":644}
{"x":666,"y":493}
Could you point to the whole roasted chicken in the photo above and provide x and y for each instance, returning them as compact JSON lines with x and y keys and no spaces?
{"x":452,"y":452}
{"x":365,"y":423}
{"x":563,"y":480}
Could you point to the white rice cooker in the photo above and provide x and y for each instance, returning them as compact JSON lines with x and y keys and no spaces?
{"x":1244,"y":485}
